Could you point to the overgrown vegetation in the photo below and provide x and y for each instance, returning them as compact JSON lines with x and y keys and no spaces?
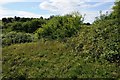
{"x":64,"y":47}
{"x":16,"y":37}
{"x":53,"y":59}
{"x":60,"y":27}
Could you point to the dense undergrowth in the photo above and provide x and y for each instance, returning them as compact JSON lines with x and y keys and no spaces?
{"x":92,"y":51}
{"x":85,"y":55}
{"x":53,"y":59}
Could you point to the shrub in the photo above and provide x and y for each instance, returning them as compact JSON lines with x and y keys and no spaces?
{"x":60,"y":27}
{"x":31,"y":26}
{"x":28,"y":26}
{"x":14,"y":37}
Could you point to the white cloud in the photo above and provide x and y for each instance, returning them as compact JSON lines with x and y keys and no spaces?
{"x":11,"y":13}
{"x":4,"y":12}
{"x":9,"y":1}
{"x":47,"y":6}
{"x":67,"y":6}
{"x":2,"y":2}
{"x":61,"y":6}
{"x":57,"y":6}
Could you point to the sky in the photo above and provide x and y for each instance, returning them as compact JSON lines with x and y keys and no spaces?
{"x":46,"y":8}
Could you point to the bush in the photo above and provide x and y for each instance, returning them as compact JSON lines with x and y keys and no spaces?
{"x":16,"y":26}
{"x":100,"y":41}
{"x":14,"y":37}
{"x":28,"y":26}
{"x":60,"y":27}
{"x":31,"y":26}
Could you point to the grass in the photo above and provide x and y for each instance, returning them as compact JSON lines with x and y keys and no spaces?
{"x":78,"y":56}
{"x":53,"y":59}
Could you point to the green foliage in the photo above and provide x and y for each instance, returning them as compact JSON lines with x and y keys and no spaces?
{"x":16,"y":26}
{"x":101,"y":40}
{"x":52,"y":59}
{"x":102,"y":17}
{"x":14,"y":37}
{"x":116,"y":12}
{"x":60,"y":27}
{"x":115,"y":15}
{"x":28,"y":26}
{"x":93,"y":51}
{"x":31,"y":26}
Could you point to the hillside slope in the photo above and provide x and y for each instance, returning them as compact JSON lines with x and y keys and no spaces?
{"x":52,"y":59}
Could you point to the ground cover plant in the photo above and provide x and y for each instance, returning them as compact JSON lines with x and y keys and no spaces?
{"x":61,"y":47}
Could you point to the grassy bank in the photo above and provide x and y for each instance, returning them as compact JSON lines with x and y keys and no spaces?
{"x":53,"y":59}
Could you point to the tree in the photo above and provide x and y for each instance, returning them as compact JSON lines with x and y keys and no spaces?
{"x":16,"y":26}
{"x":4,"y":20}
{"x":10,"y":19}
{"x":16,"y":18}
{"x":116,"y":12}
{"x":41,"y":17}
{"x":60,"y":27}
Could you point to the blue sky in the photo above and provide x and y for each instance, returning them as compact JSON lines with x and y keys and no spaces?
{"x":45,"y":8}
